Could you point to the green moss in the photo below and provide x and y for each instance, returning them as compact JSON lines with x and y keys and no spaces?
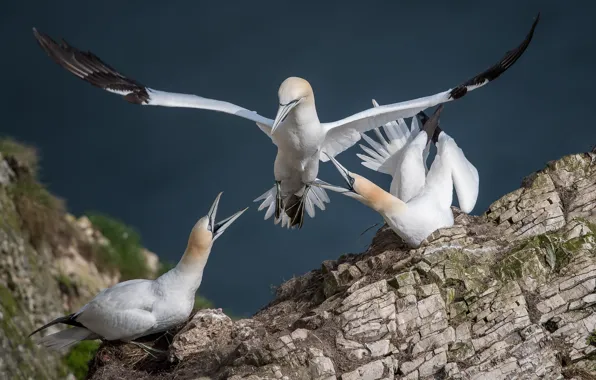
{"x":124,"y":252}
{"x":9,"y":216}
{"x":40,"y":212}
{"x":591,"y":339}
{"x":463,"y":273}
{"x":202,"y":303}
{"x":77,"y":359}
{"x":541,"y":253}
{"x":24,"y":154}
{"x":8,"y":302}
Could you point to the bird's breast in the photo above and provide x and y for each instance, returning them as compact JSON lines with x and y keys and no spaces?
{"x":299,"y":140}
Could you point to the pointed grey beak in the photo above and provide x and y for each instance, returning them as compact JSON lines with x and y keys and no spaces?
{"x":218,"y":228}
{"x":343,"y":171}
{"x":349,"y":191}
{"x":282,"y":112}
{"x":213,"y":211}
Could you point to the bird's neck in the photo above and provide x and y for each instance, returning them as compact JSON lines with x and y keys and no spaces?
{"x":189,"y":272}
{"x":378,"y":199}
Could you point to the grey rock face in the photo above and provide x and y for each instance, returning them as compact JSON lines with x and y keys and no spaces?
{"x":506,"y":295}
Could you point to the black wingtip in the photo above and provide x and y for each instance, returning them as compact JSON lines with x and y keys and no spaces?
{"x":90,"y":68}
{"x":495,"y":71}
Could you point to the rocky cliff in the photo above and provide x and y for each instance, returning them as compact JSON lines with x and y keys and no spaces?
{"x":509,"y":294}
{"x":51,"y":263}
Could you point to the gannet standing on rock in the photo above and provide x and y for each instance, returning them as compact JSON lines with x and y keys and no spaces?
{"x":135,"y":308}
{"x":403,"y":155}
{"x":296,"y":130}
{"x":414,"y":220}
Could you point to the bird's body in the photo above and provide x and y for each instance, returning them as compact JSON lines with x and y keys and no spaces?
{"x":136,"y":308}
{"x":426,"y":205}
{"x":300,"y":137}
{"x":298,"y":140}
{"x":404,"y":153}
{"x":420,"y":218}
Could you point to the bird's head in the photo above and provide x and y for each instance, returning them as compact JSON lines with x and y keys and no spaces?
{"x":364,"y":191}
{"x":205,"y":231}
{"x":292,"y":92}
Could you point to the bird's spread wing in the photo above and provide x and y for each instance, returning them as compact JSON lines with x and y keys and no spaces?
{"x":90,"y":68}
{"x":344,"y":133}
{"x":384,"y":154}
{"x":465,"y":176}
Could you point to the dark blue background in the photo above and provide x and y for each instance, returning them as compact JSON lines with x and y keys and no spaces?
{"x":159,"y":169}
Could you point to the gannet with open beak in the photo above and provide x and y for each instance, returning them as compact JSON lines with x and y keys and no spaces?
{"x":414,"y":220}
{"x":135,"y":308}
{"x":296,"y":129}
{"x":403,"y":156}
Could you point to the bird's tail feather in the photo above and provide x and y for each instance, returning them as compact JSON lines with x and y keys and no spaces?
{"x":294,"y":208}
{"x":315,"y":196}
{"x":66,"y":338}
{"x":67,"y":320}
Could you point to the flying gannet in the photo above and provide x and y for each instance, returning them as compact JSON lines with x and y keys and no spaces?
{"x":403,"y":156}
{"x":135,"y":308}
{"x":414,"y":220}
{"x":296,"y":130}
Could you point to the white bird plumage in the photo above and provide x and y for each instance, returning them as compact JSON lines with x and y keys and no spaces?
{"x":429,"y":205}
{"x":136,"y":308}
{"x":403,"y":156}
{"x":302,"y":140}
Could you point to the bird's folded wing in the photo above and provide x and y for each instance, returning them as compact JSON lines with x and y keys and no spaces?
{"x":465,"y":176}
{"x":134,"y":294}
{"x":344,"y":133}
{"x":122,"y":310}
{"x":112,"y":323}
{"x":92,"y":69}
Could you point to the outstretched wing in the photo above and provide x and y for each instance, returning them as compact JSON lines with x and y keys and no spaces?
{"x":92,"y":69}
{"x":344,"y":133}
{"x":383,"y":155}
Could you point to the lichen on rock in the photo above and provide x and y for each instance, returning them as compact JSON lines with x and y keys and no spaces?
{"x":510,"y":294}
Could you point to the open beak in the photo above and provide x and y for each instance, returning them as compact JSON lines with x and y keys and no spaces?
{"x":282,"y":112}
{"x":346,"y":175}
{"x":218,"y":228}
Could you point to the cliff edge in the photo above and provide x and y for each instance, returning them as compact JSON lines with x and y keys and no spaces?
{"x":51,"y":263}
{"x":509,"y":294}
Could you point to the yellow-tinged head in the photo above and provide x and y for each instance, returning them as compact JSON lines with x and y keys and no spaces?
{"x":293,"y":89}
{"x":366,"y":192}
{"x":204,"y":233}
{"x":292,"y":92}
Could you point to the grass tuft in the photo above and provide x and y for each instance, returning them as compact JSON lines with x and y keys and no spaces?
{"x":202,"y":303}
{"x":124,"y":253}
{"x":41,"y":212}
{"x":78,"y":358}
{"x":25,"y":155}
